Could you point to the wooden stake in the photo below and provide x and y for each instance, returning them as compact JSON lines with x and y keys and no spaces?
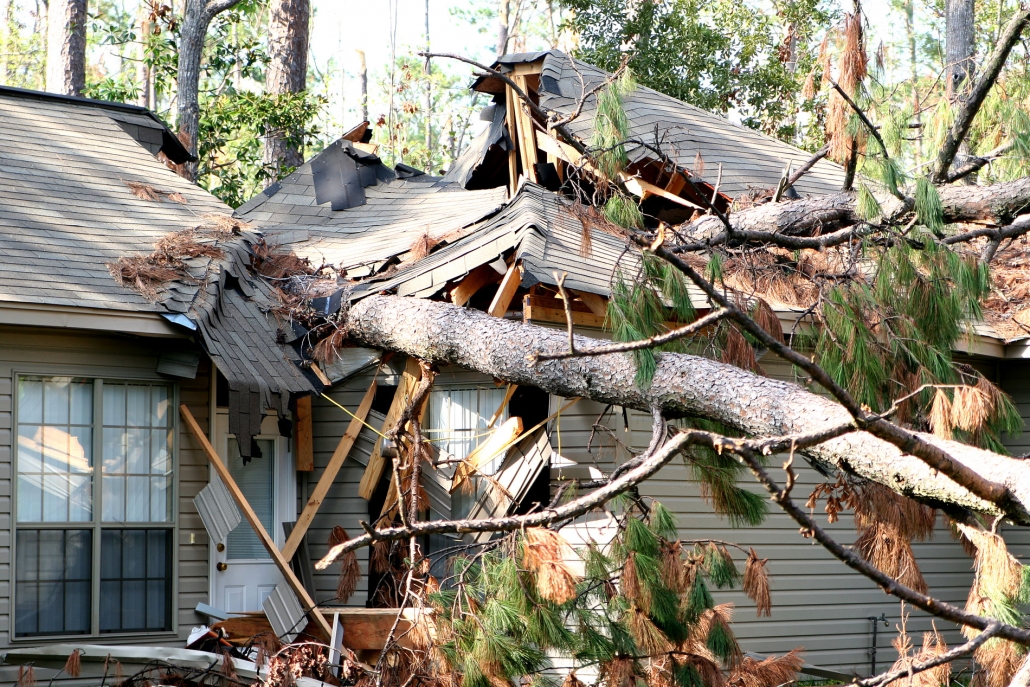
{"x":255,"y":523}
{"x":304,"y":450}
{"x":329,"y":476}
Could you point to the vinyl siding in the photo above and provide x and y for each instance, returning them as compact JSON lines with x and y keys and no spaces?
{"x":25,"y":349}
{"x":818,"y":603}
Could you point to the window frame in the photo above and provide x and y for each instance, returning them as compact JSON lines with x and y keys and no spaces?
{"x":96,"y":525}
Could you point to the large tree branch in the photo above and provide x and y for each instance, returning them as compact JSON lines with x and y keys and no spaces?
{"x":572,"y":509}
{"x":971,"y":105}
{"x":826,"y":221}
{"x":684,"y":385}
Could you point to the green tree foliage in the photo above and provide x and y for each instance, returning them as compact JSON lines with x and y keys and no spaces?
{"x":720,"y":55}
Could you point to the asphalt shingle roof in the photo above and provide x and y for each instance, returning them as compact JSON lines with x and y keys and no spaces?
{"x":66,"y":210}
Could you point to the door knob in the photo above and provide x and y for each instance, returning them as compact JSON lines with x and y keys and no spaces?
{"x":221,"y":567}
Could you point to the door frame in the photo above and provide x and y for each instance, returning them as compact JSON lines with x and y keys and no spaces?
{"x":285,"y":495}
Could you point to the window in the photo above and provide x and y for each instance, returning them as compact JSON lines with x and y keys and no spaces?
{"x":93,"y":560}
{"x":458,"y":420}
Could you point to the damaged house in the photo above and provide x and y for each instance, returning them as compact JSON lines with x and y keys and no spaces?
{"x":130,"y":522}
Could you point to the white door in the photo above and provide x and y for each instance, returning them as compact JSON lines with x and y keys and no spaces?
{"x":243,"y":573}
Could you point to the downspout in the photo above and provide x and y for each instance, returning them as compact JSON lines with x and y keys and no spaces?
{"x":872,"y":649}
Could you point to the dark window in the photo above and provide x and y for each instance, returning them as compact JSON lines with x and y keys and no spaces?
{"x":53,"y":578}
{"x":135,"y":589}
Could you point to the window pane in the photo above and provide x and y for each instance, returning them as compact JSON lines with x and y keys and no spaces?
{"x":55,"y":443}
{"x":137,"y":444}
{"x":134,"y":596}
{"x":256,"y":480}
{"x":30,"y":401}
{"x":52,"y":575}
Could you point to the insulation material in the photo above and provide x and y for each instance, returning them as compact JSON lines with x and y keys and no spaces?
{"x":217,"y":510}
{"x":284,"y":613}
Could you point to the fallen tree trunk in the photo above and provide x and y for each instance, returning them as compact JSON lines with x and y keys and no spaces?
{"x":684,"y":385}
{"x":997,"y":204}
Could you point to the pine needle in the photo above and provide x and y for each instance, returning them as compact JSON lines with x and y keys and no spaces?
{"x":26,"y":677}
{"x":771,"y":671}
{"x":928,"y":206}
{"x":619,"y":672}
{"x":546,"y":554}
{"x":940,"y":415}
{"x":648,"y":637}
{"x":737,"y":351}
{"x":350,"y":571}
{"x":73,"y":666}
{"x":756,"y":583}
{"x":887,"y":549}
{"x":971,"y":409}
{"x":933,"y":646}
{"x":866,"y":205}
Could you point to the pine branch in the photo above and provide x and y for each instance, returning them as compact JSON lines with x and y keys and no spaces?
{"x":855,"y":562}
{"x":809,"y":164}
{"x":972,"y":103}
{"x":976,"y":164}
{"x":907,"y":442}
{"x":651,"y":342}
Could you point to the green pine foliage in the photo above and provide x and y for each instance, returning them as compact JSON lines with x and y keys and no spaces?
{"x":611,"y":127}
{"x":929,"y":211}
{"x":867,"y":205}
{"x":494,"y":625}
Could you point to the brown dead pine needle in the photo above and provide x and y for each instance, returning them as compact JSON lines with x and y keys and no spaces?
{"x":350,"y":571}
{"x":756,"y":583}
{"x":771,"y":671}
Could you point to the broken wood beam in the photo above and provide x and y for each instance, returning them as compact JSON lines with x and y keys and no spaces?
{"x":524,"y":126}
{"x":506,"y":291}
{"x":401,"y":398}
{"x":534,"y":310}
{"x":472,"y":283}
{"x":325,"y":482}
{"x":499,"y":440}
{"x":597,"y":304}
{"x":241,"y":501}
{"x":303,"y":431}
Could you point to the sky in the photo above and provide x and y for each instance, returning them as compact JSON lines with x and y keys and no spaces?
{"x":341,"y":27}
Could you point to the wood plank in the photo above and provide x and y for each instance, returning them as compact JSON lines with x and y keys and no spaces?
{"x":303,"y":432}
{"x":524,"y":124}
{"x":513,"y":169}
{"x":241,"y":501}
{"x":472,"y":283}
{"x":506,"y":291}
{"x":376,"y":462}
{"x":597,"y":304}
{"x":500,"y":409}
{"x":636,"y":185}
{"x":499,"y":439}
{"x":325,"y":482}
{"x":528,"y":68}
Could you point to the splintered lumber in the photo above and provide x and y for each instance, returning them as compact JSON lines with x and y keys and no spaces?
{"x":325,"y":482}
{"x":369,"y":628}
{"x":499,"y":440}
{"x":304,"y":432}
{"x":513,"y":165}
{"x":524,"y":125}
{"x":634,"y":184}
{"x":401,"y":398}
{"x":472,"y":283}
{"x":251,"y":517}
{"x":500,"y":409}
{"x":506,"y":291}
{"x":540,"y":309}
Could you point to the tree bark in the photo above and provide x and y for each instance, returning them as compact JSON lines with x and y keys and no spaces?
{"x":684,"y":385}
{"x":66,"y":47}
{"x":193,"y":30}
{"x":143,"y":70}
{"x":287,"y":73}
{"x":5,"y":38}
{"x":363,"y":78}
{"x":960,"y":44}
{"x":503,"y":17}
{"x":818,"y":215}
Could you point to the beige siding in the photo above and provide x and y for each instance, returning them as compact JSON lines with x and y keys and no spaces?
{"x":92,"y":354}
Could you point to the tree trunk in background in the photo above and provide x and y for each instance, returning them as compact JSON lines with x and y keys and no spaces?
{"x":429,"y":102}
{"x":960,"y":48}
{"x":287,"y":73}
{"x":196,"y":18}
{"x":684,"y":385}
{"x":66,"y":47}
{"x":143,"y":70}
{"x":503,"y":16}
{"x":5,"y":38}
{"x":363,"y":77}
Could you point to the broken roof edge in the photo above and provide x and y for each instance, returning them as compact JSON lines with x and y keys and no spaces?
{"x":171,"y":146}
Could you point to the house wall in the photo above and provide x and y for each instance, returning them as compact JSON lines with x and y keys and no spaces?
{"x":61,"y":351}
{"x":818,"y":603}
